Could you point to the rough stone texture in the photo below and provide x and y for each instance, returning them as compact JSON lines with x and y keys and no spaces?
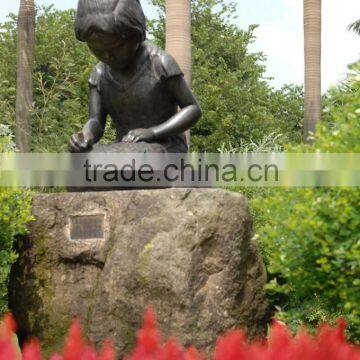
{"x":189,"y":253}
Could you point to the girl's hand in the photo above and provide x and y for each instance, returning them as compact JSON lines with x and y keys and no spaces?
{"x":138,"y":135}
{"x":81,"y":142}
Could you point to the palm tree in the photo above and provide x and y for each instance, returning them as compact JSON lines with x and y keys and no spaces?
{"x":312,"y":37}
{"x":178,"y":36}
{"x":25,"y":59}
{"x":355,"y":27}
{"x":178,"y":33}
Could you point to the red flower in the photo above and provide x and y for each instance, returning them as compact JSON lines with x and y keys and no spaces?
{"x":231,"y":346}
{"x":74,"y":344}
{"x":7,"y":349}
{"x":107,"y":352}
{"x":32,"y":351}
{"x":171,"y":350}
{"x":329,"y":344}
{"x":193,"y":354}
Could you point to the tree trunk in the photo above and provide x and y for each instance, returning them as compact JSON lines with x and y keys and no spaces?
{"x":178,"y":36}
{"x":25,"y":59}
{"x":312,"y":38}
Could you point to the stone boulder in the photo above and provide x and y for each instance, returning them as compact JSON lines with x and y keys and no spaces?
{"x":106,"y":256}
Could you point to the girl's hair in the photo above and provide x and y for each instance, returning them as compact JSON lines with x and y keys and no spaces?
{"x":120,"y":17}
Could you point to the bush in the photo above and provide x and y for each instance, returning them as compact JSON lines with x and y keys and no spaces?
{"x":329,"y":344}
{"x":312,"y":246}
{"x":14,"y":214}
{"x":311,"y":236}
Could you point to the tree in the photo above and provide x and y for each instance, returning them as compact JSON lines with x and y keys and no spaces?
{"x":355,"y":26}
{"x":60,"y":80}
{"x":178,"y":36}
{"x":25,"y":58}
{"x":178,"y":33}
{"x":229,"y":82}
{"x":312,"y":41}
{"x":228,"y":79}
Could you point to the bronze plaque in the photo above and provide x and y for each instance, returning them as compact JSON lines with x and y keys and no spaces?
{"x":87,"y":227}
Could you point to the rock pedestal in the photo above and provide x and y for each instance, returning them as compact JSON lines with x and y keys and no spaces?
{"x":106,"y":256}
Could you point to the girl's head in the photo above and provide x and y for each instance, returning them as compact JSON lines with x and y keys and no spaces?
{"x":113,"y":29}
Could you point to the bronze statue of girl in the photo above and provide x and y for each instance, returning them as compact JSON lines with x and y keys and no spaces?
{"x":137,"y":84}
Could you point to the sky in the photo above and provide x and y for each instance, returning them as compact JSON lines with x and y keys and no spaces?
{"x":280,"y":35}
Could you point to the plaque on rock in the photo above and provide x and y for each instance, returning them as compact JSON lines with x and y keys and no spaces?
{"x":85,"y":227}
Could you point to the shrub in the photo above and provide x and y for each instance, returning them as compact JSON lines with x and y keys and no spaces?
{"x":312,"y":247}
{"x":14,"y":214}
{"x":311,"y":236}
{"x":329,"y":344}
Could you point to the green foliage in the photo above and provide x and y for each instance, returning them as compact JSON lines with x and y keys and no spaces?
{"x":355,"y":26}
{"x":340,"y":129}
{"x":228,"y":80}
{"x":61,"y":71}
{"x":343,"y":116}
{"x":14,"y":214}
{"x":311,"y":237}
{"x":6,"y":139}
{"x":313,"y":250}
{"x":268,"y":143}
{"x":238,"y":104}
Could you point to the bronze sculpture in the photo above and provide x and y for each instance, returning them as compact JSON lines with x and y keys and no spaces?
{"x":139,"y":85}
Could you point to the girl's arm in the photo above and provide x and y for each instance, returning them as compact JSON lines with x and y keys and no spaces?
{"x":97,"y":116}
{"x":189,"y":114}
{"x":94,"y":129}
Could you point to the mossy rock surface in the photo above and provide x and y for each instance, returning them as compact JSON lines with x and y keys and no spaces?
{"x":188,"y":253}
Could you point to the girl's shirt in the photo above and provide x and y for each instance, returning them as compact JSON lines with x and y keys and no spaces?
{"x":142,"y":101}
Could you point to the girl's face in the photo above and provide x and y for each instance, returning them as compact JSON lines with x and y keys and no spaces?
{"x":110,"y":49}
